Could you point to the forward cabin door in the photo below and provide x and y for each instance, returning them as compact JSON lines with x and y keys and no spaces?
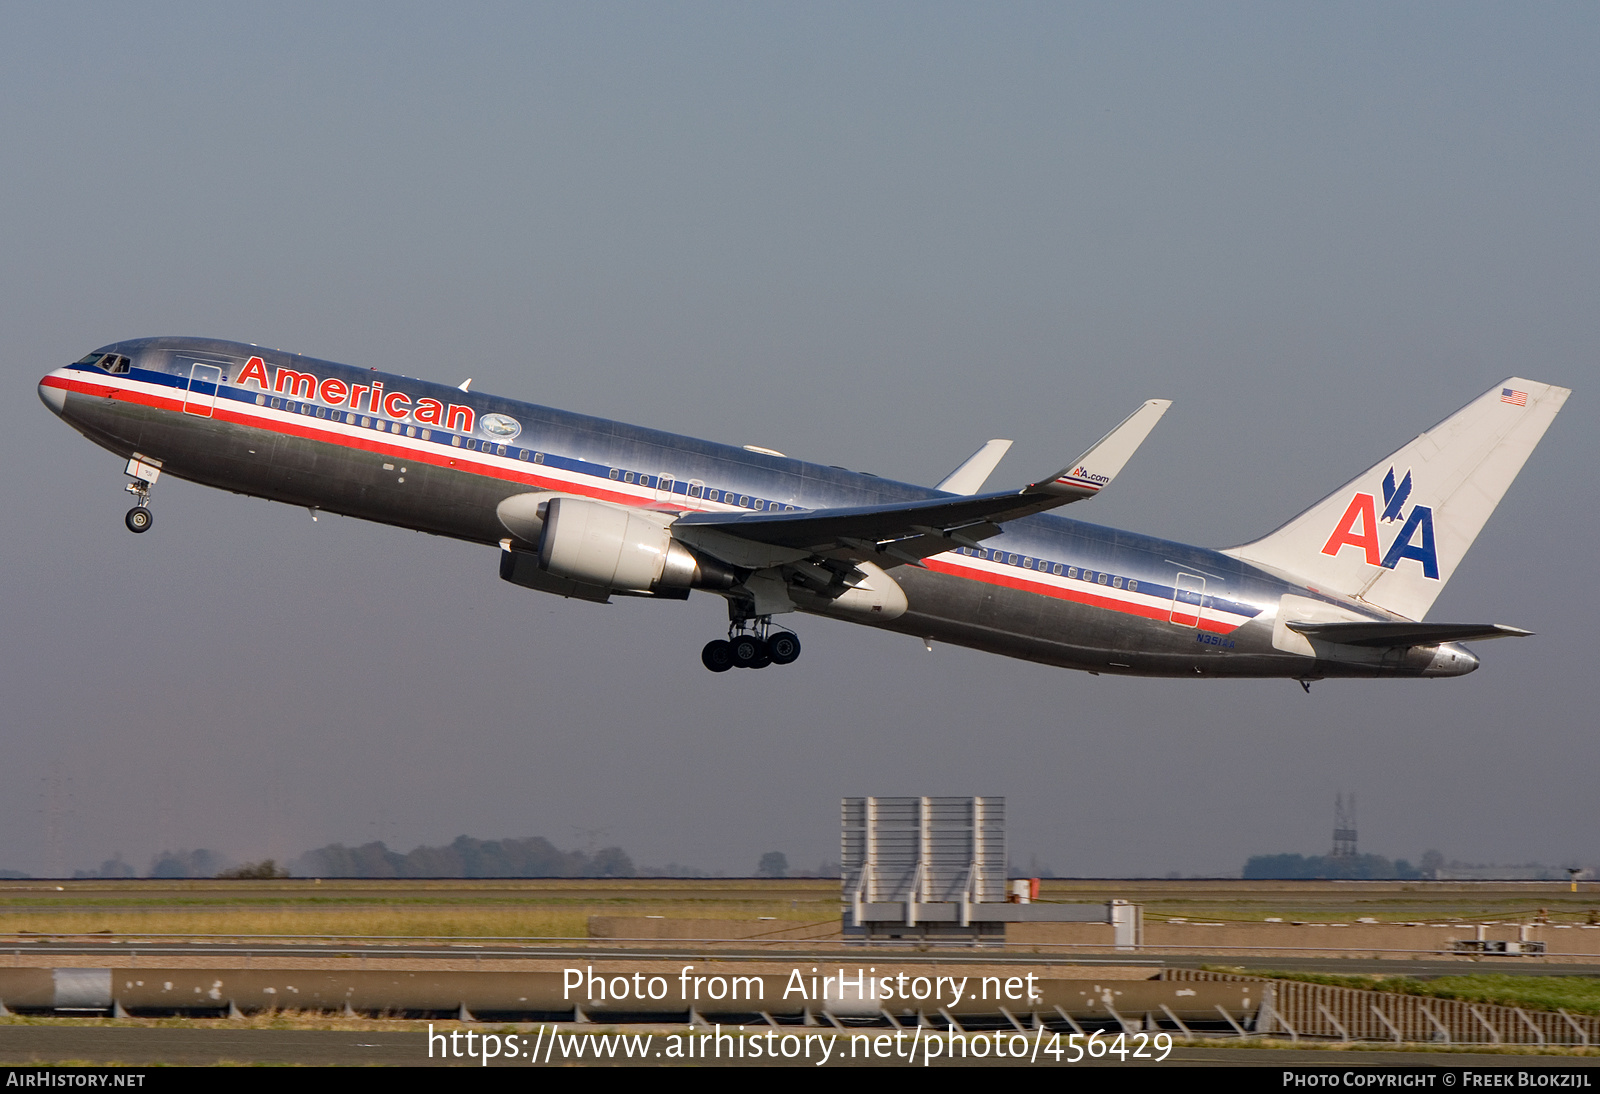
{"x":201,"y":397}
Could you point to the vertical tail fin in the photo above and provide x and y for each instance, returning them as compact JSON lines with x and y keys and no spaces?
{"x":1394,"y":535}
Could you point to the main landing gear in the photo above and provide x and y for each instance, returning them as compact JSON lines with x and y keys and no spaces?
{"x":139,"y":518}
{"x":751,"y":644}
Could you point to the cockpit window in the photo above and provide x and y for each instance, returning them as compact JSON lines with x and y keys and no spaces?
{"x":110,"y":362}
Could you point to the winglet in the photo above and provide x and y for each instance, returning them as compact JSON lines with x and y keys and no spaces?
{"x":971,"y":475}
{"x":1098,"y":466}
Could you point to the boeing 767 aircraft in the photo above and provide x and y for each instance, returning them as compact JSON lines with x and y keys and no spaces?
{"x":589,"y":508}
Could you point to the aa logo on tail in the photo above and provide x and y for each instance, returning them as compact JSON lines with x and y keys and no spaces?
{"x":1414,"y":540}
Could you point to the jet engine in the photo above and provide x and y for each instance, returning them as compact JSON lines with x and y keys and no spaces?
{"x":594,"y":543}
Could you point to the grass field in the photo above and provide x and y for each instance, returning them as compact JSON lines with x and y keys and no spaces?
{"x":514,"y":909}
{"x":560,"y":908}
{"x":1229,"y":901}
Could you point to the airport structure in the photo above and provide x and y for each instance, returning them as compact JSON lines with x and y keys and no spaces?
{"x":1344,"y":827}
{"x":935,"y":868}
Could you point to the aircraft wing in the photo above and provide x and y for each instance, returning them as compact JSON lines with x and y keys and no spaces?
{"x":1402,"y":633}
{"x":907,"y":532}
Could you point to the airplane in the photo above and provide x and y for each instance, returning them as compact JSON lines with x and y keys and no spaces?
{"x":587,"y":508}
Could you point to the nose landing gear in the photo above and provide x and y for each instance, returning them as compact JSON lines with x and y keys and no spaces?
{"x":751,"y":644}
{"x":145,"y":471}
{"x":139,"y":518}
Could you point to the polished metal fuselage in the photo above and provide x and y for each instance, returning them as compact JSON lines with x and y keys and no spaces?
{"x":1133,"y":604}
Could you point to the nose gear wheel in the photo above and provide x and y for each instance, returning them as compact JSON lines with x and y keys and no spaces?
{"x":139,"y":518}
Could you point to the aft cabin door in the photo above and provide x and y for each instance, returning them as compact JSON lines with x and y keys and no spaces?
{"x":202,"y":396}
{"x":1188,"y":600}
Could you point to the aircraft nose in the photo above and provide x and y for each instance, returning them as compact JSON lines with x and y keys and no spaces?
{"x":52,"y":396}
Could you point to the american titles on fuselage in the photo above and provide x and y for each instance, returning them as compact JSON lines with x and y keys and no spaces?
{"x":369,"y":398}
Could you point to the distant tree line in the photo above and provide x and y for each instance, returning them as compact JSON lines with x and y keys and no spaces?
{"x":464,"y":857}
{"x":1357,"y":867}
{"x":265,"y":870}
{"x":168,"y":864}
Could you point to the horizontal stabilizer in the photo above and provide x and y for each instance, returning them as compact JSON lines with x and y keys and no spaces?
{"x":1404,"y":633}
{"x":971,"y":475}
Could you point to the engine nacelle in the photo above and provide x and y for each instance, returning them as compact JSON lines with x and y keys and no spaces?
{"x":616,"y":548}
{"x":523,"y":514}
